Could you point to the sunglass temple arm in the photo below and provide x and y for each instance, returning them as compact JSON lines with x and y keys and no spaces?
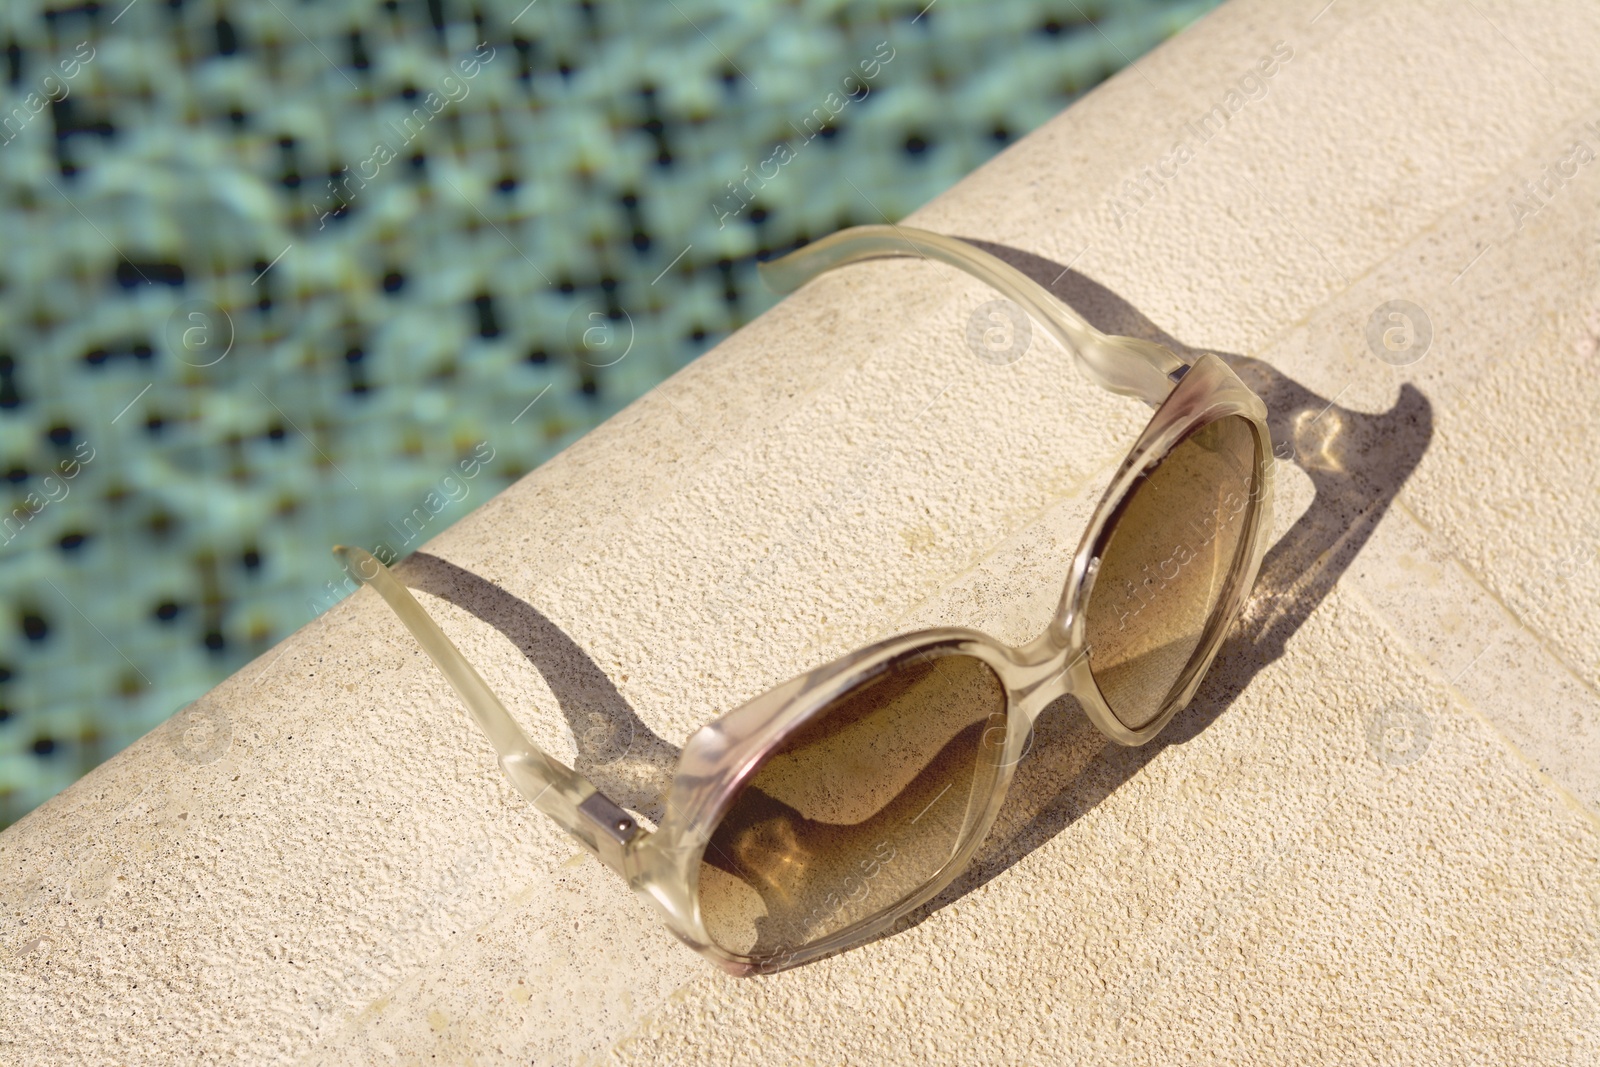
{"x":554,"y":788}
{"x":1129,"y":366}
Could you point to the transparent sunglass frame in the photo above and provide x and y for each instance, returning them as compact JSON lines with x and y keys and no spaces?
{"x":663,"y":864}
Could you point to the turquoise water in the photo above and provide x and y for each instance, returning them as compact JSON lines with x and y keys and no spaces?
{"x":269,"y":272}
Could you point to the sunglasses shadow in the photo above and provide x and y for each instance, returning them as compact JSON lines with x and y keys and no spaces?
{"x":1357,"y":464}
{"x":616,"y":751}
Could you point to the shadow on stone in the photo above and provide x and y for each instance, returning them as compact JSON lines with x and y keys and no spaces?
{"x":616,"y":751}
{"x":1357,"y":464}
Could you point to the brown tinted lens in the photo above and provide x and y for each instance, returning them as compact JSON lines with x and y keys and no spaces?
{"x":1169,"y":561}
{"x":858,"y":809}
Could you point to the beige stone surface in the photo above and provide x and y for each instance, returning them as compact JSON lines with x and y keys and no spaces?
{"x":1374,"y":837}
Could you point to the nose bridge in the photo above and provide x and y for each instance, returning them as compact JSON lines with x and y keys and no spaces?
{"x":1044,"y":671}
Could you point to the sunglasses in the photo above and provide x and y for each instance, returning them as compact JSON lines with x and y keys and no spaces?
{"x":813,"y":817}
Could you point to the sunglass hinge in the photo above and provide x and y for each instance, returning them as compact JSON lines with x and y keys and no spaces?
{"x":608,"y":830}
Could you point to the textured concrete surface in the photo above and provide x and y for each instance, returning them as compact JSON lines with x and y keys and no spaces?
{"x":1375,"y":836}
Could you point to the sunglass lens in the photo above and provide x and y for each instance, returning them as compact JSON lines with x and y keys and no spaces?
{"x":1170,"y":560}
{"x":857,"y":810}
